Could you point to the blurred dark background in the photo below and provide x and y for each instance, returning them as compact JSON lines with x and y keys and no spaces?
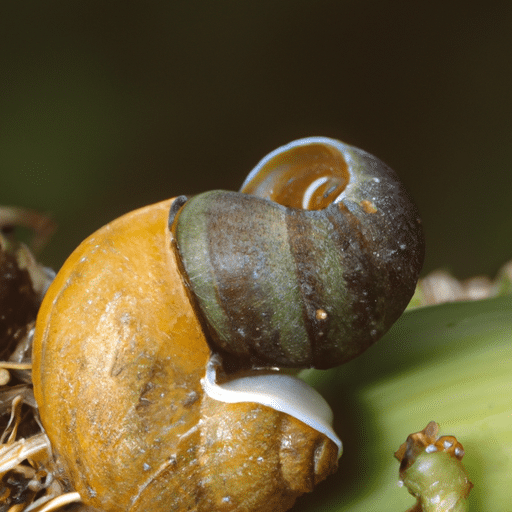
{"x":108,"y":106}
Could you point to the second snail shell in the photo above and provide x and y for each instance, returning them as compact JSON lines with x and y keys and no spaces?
{"x":120,"y":396}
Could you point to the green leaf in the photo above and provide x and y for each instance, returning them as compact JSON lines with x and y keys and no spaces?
{"x":450,"y":363}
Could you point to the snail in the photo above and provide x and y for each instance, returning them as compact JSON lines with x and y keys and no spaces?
{"x":156,"y":345}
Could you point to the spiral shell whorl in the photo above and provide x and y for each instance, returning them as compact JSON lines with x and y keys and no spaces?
{"x":315,"y":269}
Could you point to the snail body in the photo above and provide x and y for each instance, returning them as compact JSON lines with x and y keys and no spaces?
{"x":148,"y":384}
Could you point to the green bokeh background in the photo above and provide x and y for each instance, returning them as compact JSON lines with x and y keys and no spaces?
{"x":106,"y":106}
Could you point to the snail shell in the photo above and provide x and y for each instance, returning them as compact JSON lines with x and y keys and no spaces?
{"x":309,"y":265}
{"x":119,"y":355}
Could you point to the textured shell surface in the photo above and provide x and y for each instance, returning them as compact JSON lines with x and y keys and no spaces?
{"x":119,"y":354}
{"x":322,"y":235}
